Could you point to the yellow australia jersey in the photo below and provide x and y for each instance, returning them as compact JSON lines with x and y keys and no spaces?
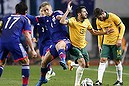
{"x":112,"y":22}
{"x":77,"y":31}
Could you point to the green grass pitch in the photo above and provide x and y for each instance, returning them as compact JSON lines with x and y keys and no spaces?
{"x":12,"y":76}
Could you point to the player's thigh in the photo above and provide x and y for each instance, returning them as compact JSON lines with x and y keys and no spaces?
{"x":76,"y":52}
{"x":105,"y":53}
{"x":19,"y":53}
{"x":117,"y":52}
{"x":3,"y":57}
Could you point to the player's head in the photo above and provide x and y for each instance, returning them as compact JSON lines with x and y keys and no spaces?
{"x":100,"y":14}
{"x":81,"y":12}
{"x":21,"y":8}
{"x":41,"y":12}
{"x":46,"y":8}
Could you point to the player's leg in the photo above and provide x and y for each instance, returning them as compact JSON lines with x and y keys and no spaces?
{"x":19,"y":54}
{"x":3,"y":59}
{"x":44,"y":68}
{"x":43,"y":48}
{"x":61,"y":48}
{"x":25,"y":71}
{"x":78,"y":57}
{"x":117,"y":54}
{"x":103,"y":63}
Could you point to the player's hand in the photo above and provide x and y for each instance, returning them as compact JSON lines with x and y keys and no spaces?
{"x":58,"y":17}
{"x":119,"y":41}
{"x":108,"y":31}
{"x":100,"y":49}
{"x":34,"y":40}
{"x":34,"y":54}
{"x":69,"y":7}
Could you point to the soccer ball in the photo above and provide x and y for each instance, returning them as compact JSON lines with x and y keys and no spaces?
{"x":87,"y":82}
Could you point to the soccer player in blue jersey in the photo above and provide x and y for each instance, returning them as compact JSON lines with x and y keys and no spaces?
{"x":13,"y":26}
{"x":58,"y":33}
{"x":44,"y":39}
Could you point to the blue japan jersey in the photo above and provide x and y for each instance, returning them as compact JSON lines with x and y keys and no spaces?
{"x":43,"y":32}
{"x":57,"y":30}
{"x":13,"y":26}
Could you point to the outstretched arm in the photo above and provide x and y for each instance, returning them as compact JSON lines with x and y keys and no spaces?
{"x":63,"y":19}
{"x":95,"y":32}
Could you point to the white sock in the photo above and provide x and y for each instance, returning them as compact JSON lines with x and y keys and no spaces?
{"x":79,"y":73}
{"x":119,"y":70}
{"x":74,"y":65}
{"x":101,"y":69}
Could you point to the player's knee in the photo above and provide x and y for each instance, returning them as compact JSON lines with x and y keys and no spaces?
{"x":60,"y":45}
{"x":103,"y":60}
{"x":87,"y":65}
{"x":25,"y":61}
{"x":117,"y":62}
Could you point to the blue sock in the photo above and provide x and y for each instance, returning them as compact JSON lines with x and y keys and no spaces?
{"x":62,"y":54}
{"x":43,"y":73}
{"x":1,"y":70}
{"x":25,"y":75}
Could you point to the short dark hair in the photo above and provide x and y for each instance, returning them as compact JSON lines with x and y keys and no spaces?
{"x":78,"y":9}
{"x":21,"y":8}
{"x":44,"y":4}
{"x":98,"y":12}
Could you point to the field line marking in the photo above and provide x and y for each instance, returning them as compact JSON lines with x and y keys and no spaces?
{"x":106,"y":71}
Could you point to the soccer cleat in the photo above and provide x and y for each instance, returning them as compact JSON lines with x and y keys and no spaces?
{"x":97,"y":83}
{"x":118,"y":83}
{"x":63,"y":64}
{"x":50,"y":74}
{"x":69,"y":65}
{"x":40,"y":82}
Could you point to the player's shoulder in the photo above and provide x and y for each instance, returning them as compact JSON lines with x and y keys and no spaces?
{"x":112,"y":14}
{"x":58,"y":12}
{"x":72,"y":19}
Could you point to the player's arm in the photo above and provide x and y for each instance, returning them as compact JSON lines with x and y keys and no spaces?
{"x":29,"y":41}
{"x":98,"y":32}
{"x":121,"y":28}
{"x":63,"y":20}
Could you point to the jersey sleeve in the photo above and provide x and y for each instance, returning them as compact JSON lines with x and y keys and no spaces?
{"x":27,"y":25}
{"x":70,"y":21}
{"x":89,"y":25}
{"x":116,"y":19}
{"x":41,"y":19}
{"x":32,"y":19}
{"x":119,"y":24}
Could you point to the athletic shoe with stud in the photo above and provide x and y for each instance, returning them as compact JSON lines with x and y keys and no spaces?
{"x":50,"y":74}
{"x":63,"y":64}
{"x":40,"y":82}
{"x":97,"y":83}
{"x":69,"y":65}
{"x":118,"y":83}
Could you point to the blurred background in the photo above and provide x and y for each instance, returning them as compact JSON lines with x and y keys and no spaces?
{"x":119,"y":7}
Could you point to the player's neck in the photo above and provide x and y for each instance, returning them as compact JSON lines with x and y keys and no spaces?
{"x":79,"y":19}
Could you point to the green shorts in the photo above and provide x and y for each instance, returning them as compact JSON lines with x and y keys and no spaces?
{"x":111,"y":52}
{"x":79,"y":53}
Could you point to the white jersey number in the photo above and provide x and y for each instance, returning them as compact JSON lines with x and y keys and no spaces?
{"x":15,"y":19}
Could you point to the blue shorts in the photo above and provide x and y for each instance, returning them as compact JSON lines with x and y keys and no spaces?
{"x":15,"y":48}
{"x":53,"y":50}
{"x":44,"y":46}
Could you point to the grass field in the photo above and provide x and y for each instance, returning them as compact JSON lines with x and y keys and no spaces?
{"x":12,"y":76}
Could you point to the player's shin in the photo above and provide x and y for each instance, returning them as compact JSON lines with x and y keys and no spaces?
{"x":43,"y":73}
{"x":62,"y":54}
{"x":101,"y":69}
{"x":79,"y":73}
{"x":119,"y":70}
{"x":25,"y":75}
